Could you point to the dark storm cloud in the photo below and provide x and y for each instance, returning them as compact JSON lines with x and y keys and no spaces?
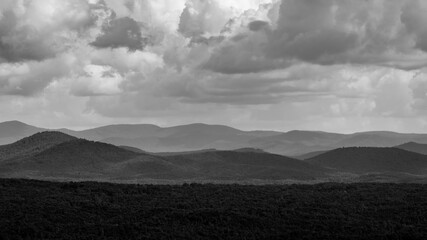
{"x":121,"y":32}
{"x":257,"y":25}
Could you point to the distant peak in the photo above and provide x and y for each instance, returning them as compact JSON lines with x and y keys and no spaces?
{"x":411,"y":143}
{"x":13,"y":122}
{"x":49,"y":135}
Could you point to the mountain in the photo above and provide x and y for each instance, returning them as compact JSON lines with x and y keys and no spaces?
{"x":191,"y":137}
{"x":195,"y":137}
{"x":253,"y":150}
{"x":414,"y":147}
{"x":12,"y":131}
{"x":133,"y":149}
{"x":309,"y":155}
{"x":32,"y":145}
{"x":247,"y":165}
{"x":378,"y":139}
{"x":128,"y":131}
{"x":55,"y":154}
{"x":361,"y":160}
{"x":297,"y":142}
{"x":75,"y":155}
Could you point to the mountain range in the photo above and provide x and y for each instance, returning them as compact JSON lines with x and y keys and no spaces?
{"x":54,"y":154}
{"x":195,"y":137}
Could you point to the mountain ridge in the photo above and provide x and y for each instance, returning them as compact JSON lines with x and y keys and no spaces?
{"x":198,"y":136}
{"x":55,"y":154}
{"x":414,"y":147}
{"x":372,"y":159}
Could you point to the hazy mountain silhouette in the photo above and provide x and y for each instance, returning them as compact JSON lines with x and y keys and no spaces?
{"x":195,"y":137}
{"x":414,"y":147}
{"x":363,"y":160}
{"x":12,"y":131}
{"x":188,"y":138}
{"x":377,"y":139}
{"x":297,"y":142}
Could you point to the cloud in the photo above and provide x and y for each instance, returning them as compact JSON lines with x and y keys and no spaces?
{"x":29,"y":78}
{"x":37,"y":30}
{"x":203,"y":17}
{"x":121,"y":32}
{"x":414,"y":19}
{"x":327,"y":32}
{"x":98,"y":80}
{"x":253,"y":63}
{"x":257,"y":25}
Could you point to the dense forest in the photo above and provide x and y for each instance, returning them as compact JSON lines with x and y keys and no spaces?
{"x":31,"y":209}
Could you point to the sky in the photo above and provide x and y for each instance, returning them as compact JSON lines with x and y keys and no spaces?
{"x":331,"y":65}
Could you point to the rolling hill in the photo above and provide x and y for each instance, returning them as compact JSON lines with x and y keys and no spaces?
{"x":247,"y":165}
{"x":61,"y":155}
{"x":32,"y":145}
{"x":54,"y":154}
{"x":362,"y":160}
{"x":195,"y":137}
{"x":414,"y":147}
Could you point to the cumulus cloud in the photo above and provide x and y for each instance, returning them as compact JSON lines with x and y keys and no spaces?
{"x":37,"y":30}
{"x":29,"y":78}
{"x":332,"y":32}
{"x":98,"y":80}
{"x":203,"y":17}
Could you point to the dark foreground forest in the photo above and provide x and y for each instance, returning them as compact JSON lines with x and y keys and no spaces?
{"x":45,"y":210}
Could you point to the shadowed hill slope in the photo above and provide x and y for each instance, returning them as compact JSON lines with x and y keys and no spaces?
{"x":240,"y":165}
{"x":414,"y":147}
{"x":80,"y":154}
{"x":33,"y":145}
{"x":53,"y":154}
{"x":364,"y":160}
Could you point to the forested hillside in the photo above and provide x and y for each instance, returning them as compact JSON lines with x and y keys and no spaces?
{"x":45,"y":210}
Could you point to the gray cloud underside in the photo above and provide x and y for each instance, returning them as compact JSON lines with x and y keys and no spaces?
{"x":121,"y":32}
{"x":328,"y":32}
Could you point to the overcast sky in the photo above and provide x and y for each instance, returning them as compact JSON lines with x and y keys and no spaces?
{"x":332,"y":65}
